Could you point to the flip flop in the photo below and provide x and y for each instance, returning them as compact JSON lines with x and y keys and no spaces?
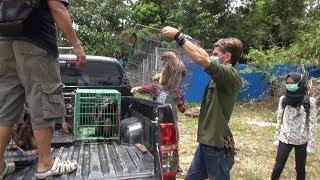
{"x":20,"y":157}
{"x":59,"y":167}
{"x":8,"y":169}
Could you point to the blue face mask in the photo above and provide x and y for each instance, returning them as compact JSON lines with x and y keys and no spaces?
{"x":292,"y":87}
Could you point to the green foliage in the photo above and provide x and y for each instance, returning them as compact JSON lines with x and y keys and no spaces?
{"x":280,"y":16}
{"x":200,"y":19}
{"x":273,"y":31}
{"x":263,"y":24}
{"x":268,"y":58}
{"x":304,"y":51}
{"x":100,"y":25}
{"x":146,"y":13}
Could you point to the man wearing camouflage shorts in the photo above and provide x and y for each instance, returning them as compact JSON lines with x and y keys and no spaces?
{"x":29,"y":71}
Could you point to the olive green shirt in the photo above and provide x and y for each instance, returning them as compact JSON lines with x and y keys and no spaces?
{"x":217,"y":104}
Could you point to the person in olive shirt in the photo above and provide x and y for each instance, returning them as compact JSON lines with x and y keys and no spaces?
{"x":214,"y":156}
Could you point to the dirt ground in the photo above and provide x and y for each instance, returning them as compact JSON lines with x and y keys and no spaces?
{"x":256,"y":155}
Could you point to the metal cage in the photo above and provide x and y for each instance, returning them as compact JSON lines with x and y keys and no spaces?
{"x":97,"y":115}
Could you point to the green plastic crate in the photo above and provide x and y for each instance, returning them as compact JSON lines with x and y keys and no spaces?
{"x":97,"y":115}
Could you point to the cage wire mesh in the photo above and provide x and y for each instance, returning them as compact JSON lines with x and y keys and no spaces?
{"x":145,"y":60}
{"x":97,"y":115}
{"x":142,"y":61}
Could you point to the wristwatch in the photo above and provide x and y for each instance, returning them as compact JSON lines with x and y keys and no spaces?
{"x":180,"y":38}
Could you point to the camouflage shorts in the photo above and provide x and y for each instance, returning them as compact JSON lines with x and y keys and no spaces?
{"x":29,"y":73}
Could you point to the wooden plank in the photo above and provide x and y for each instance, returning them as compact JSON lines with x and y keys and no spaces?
{"x":142,"y":148}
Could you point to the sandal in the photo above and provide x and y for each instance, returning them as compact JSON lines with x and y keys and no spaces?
{"x":8,"y":169}
{"x":20,"y":157}
{"x":58,"y":168}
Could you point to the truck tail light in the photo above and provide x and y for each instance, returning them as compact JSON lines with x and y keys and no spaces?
{"x":168,"y":151}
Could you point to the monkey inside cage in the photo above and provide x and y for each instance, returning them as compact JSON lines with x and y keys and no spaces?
{"x":97,"y":115}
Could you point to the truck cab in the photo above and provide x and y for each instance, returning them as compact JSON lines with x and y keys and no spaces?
{"x":148,"y":146}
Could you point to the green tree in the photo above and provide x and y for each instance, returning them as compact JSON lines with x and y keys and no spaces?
{"x":146,"y":13}
{"x":264,"y":24}
{"x":200,"y":19}
{"x":100,"y":24}
{"x":163,"y":10}
{"x":303,"y":51}
{"x":105,"y":26}
{"x":280,"y":16}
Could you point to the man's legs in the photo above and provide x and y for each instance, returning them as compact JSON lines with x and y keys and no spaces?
{"x":43,"y":141}
{"x":39,"y":74}
{"x":226,"y":163}
{"x":282,"y":156}
{"x":197,"y":169}
{"x":300,"y":157}
{"x":208,"y":162}
{"x":11,"y":97}
{"x":217,"y":162}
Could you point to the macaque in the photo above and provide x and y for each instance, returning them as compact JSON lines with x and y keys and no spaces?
{"x":22,"y":134}
{"x":106,"y":119}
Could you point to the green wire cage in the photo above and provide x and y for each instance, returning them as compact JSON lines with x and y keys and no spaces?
{"x":97,"y":115}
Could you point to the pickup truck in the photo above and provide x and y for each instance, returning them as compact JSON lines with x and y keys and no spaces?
{"x":149,"y":124}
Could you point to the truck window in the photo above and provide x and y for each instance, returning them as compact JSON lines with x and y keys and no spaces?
{"x":95,"y":73}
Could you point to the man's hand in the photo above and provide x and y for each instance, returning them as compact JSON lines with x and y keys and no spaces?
{"x":63,"y":21}
{"x":196,"y":53}
{"x":169,"y":32}
{"x":81,"y":56}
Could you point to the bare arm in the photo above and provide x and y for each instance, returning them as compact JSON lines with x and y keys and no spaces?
{"x":220,"y":73}
{"x":196,"y":53}
{"x":64,"y":23}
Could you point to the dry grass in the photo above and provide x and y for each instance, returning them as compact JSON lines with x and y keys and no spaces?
{"x":256,"y":155}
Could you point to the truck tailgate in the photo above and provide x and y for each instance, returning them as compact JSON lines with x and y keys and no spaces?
{"x":100,"y":161}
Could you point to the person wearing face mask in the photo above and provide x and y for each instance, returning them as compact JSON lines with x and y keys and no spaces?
{"x":214,"y":156}
{"x":296,"y":125}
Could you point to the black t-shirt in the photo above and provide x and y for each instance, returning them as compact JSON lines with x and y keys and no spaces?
{"x":40,"y":28}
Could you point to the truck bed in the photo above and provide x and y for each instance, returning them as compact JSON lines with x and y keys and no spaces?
{"x":99,"y":161}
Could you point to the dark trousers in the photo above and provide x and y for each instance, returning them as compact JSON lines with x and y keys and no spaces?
{"x":282,"y":156}
{"x":210,"y":162}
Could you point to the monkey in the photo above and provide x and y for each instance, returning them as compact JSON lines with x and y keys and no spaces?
{"x":22,"y":134}
{"x":171,"y":74}
{"x":67,"y":124}
{"x":106,"y":118}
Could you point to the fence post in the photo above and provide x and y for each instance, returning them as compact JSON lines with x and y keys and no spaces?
{"x":156,"y":58}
